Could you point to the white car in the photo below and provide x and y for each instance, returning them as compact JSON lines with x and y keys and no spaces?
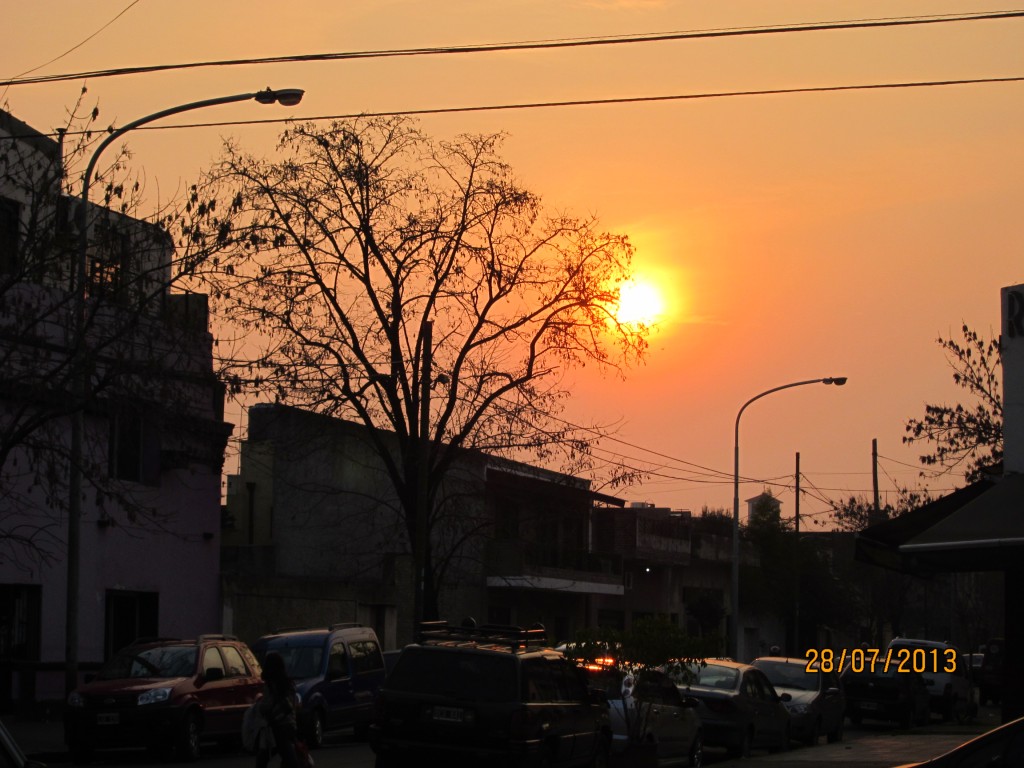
{"x":942,"y":667}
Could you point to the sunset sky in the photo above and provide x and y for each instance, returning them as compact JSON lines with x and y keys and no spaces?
{"x":791,"y":235}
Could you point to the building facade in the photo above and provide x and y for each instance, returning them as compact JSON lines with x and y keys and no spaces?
{"x":135,"y":360}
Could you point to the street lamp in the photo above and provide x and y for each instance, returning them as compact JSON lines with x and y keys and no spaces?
{"x":734,"y":623}
{"x":288,"y":97}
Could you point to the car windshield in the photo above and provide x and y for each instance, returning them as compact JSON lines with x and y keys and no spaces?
{"x":783,"y":674}
{"x":302,"y":661}
{"x":160,"y":661}
{"x":713,"y":675}
{"x":487,"y":677}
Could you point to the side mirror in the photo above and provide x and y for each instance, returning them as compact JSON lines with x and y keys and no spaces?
{"x":691,"y":701}
{"x":214,"y":674}
{"x":832,"y":691}
{"x":786,"y":697}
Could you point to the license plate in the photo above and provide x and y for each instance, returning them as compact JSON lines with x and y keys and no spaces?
{"x":448,"y":714}
{"x":107,"y":718}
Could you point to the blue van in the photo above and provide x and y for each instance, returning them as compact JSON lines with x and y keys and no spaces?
{"x":337,"y":672}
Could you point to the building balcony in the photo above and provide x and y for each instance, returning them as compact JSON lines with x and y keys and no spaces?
{"x":522,"y":565}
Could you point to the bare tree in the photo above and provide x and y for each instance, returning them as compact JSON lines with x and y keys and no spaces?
{"x":414,"y":286}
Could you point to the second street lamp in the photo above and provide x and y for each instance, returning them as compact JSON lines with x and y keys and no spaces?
{"x":288,"y":97}
{"x":735,"y":596}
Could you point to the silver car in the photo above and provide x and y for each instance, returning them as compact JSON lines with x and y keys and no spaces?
{"x":816,"y":705}
{"x":649,"y":715}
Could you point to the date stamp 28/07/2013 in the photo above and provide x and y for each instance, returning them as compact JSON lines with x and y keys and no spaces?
{"x":900,"y":660}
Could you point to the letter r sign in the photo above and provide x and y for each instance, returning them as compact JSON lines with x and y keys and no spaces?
{"x":1013,"y":314}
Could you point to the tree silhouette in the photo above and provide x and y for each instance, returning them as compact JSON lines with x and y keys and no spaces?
{"x":413,"y":286}
{"x":968,"y":436}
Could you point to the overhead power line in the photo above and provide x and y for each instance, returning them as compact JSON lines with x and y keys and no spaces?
{"x":580,"y":103}
{"x":529,"y":45}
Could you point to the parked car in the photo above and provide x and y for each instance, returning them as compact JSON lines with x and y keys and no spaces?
{"x":817,"y":704}
{"x":337,"y":672}
{"x":648,"y":709}
{"x":163,"y":693}
{"x":943,"y":670}
{"x":887,"y":694}
{"x":1002,"y":746}
{"x":990,"y":678}
{"x":739,"y":708}
{"x":489,"y":694}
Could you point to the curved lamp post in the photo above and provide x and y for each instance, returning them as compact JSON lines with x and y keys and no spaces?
{"x":735,"y":597}
{"x":288,"y":97}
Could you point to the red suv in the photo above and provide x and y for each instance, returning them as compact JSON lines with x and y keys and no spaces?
{"x":163,"y":693}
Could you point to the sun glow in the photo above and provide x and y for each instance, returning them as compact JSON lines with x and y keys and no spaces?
{"x":640,"y":303}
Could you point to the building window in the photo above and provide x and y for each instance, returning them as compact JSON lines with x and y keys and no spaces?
{"x":130,"y":615}
{"x":20,"y":621}
{"x":9,"y":236}
{"x":110,"y":261}
{"x":134,"y":446}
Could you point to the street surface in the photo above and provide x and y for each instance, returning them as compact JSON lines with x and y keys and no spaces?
{"x":866,"y":746}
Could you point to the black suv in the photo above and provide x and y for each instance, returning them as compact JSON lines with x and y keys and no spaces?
{"x":337,"y":671}
{"x":161,"y":693}
{"x":488,"y":694}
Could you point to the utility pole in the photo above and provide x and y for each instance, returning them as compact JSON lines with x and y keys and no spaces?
{"x":796,"y":593}
{"x":877,"y":510}
{"x":423,"y":477}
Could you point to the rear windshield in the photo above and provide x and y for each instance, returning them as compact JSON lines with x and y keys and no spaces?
{"x":783,"y":674}
{"x":487,"y":677}
{"x":162,"y":661}
{"x":713,"y":676}
{"x":303,"y":656}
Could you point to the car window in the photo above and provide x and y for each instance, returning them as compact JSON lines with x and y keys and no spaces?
{"x":212,"y":660}
{"x":749,"y":686}
{"x":337,"y":662}
{"x":366,"y":656}
{"x":714,"y":676}
{"x":488,"y":677}
{"x":571,"y":686}
{"x":541,"y":680}
{"x":786,"y":675}
{"x":160,"y":661}
{"x":234,"y":665}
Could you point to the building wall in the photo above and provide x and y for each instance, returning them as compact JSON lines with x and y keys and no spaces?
{"x":150,"y":512}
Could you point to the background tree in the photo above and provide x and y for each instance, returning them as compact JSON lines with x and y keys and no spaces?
{"x":414,"y":286}
{"x":968,"y":437}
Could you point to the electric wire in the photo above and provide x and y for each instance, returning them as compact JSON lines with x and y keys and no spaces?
{"x":529,"y":45}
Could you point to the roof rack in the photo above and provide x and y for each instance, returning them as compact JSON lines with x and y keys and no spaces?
{"x":494,"y":636}
{"x":217,"y":636}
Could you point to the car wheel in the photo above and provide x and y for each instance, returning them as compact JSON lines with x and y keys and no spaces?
{"x":855,"y":719}
{"x":697,"y":751}
{"x":188,"y":738}
{"x":602,"y":749}
{"x":907,"y":718}
{"x":315,"y":737}
{"x":836,"y":734}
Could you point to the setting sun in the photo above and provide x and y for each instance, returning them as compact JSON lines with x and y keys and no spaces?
{"x":640,"y":303}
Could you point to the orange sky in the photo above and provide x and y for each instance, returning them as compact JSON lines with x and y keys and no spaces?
{"x":797,"y":236}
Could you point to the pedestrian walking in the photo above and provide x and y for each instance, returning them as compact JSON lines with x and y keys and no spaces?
{"x":278,"y":707}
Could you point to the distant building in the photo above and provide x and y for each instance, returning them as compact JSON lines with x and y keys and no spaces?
{"x":153,"y":441}
{"x":313,"y":535}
